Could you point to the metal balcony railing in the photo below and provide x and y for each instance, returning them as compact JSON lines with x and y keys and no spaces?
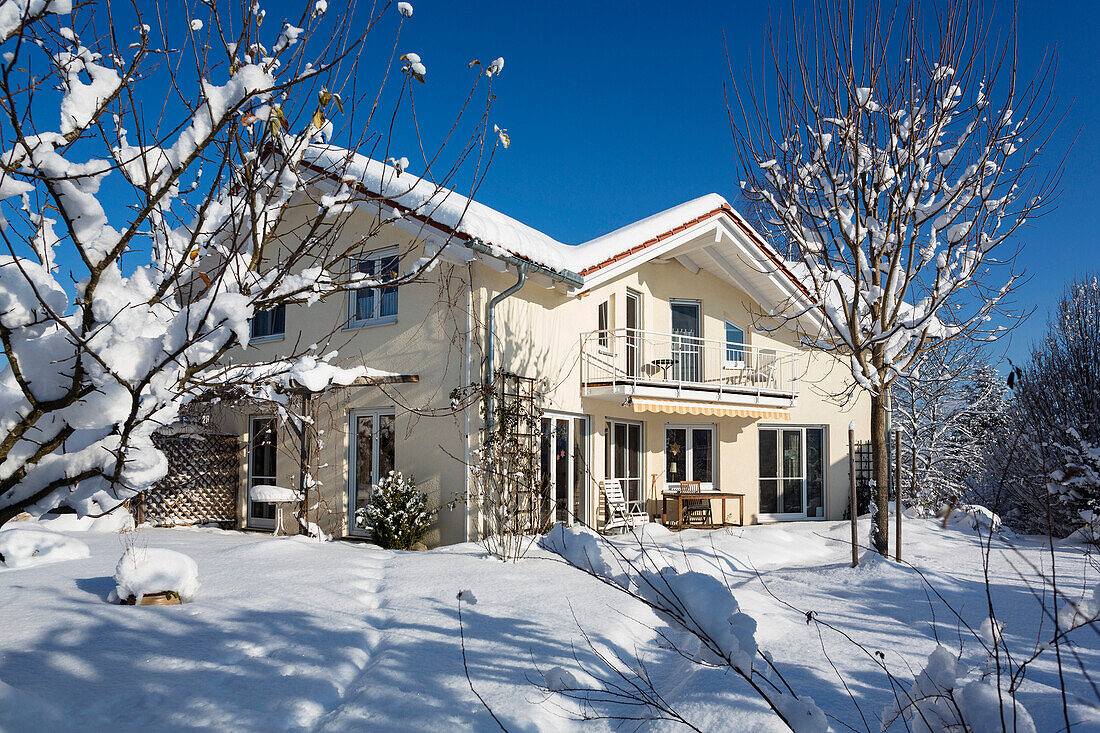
{"x":647,"y":358}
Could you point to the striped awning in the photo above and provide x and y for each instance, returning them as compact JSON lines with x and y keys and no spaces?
{"x":685,"y":407}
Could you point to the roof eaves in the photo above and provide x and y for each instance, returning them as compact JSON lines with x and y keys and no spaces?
{"x":568,"y":277}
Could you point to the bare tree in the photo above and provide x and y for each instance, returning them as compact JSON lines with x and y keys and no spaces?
{"x":950,"y":409}
{"x":895,"y":153}
{"x":1051,"y":479}
{"x":167,"y":172}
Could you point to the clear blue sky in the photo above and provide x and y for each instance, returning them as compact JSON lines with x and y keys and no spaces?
{"x":616,"y":111}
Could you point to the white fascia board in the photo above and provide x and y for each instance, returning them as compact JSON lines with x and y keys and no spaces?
{"x":763,"y":265}
{"x":625,"y":265}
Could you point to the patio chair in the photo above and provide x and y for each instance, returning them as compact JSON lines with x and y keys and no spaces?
{"x":695,"y":509}
{"x":619,"y":515}
{"x":766,"y":362}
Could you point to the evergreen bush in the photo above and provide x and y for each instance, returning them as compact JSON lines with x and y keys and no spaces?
{"x":398,"y":515}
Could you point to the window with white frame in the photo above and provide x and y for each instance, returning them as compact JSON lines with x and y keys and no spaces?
{"x":689,"y":454}
{"x":735,"y":343}
{"x":268,"y":324}
{"x":372,"y":305}
{"x":603,"y":325}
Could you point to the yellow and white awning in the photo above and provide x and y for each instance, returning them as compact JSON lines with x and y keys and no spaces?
{"x":685,"y":407}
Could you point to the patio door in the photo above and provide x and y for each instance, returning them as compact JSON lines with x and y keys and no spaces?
{"x":689,"y":455}
{"x":263,"y":451}
{"x":792,"y":472}
{"x":623,"y":458}
{"x":371,"y":457}
{"x":687,"y":332}
{"x":564,"y":459}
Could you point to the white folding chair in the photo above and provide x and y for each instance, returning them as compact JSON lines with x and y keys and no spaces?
{"x":619,"y":515}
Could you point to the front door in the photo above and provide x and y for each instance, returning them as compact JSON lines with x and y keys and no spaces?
{"x":564,"y":454}
{"x":624,"y":459}
{"x":687,"y":332}
{"x":262,"y":454}
{"x":372,"y":457}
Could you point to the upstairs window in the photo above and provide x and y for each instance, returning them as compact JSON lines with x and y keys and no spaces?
{"x":735,"y":343}
{"x":268,"y":324}
{"x":603,"y":325}
{"x":374,"y":305}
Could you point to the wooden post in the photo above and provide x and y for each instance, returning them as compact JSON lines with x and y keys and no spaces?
{"x":897,"y":495}
{"x":852,"y":480}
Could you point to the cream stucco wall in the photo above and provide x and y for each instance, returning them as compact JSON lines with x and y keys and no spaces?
{"x":428,"y":341}
{"x":539,"y":334}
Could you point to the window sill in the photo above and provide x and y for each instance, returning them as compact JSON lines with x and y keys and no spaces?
{"x":267,"y":339}
{"x":358,"y":325}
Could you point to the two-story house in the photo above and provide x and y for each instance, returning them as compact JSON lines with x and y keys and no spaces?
{"x":655,"y":359}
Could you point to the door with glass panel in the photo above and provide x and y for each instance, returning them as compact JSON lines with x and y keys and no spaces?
{"x":633,"y":328}
{"x":687,"y":345}
{"x":371,"y":458}
{"x":623,"y":459}
{"x":263,"y":452}
{"x":564,"y":459}
{"x":792,"y":472}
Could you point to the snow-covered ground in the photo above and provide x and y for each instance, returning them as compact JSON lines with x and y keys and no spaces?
{"x":286,"y":633}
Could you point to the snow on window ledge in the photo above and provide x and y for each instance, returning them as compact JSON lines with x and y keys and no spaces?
{"x":266,"y":339}
{"x":370,"y":323}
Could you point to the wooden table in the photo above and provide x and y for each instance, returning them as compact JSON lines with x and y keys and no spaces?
{"x":679,"y":496}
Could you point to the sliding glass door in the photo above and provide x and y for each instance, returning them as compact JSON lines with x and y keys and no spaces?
{"x":792,"y":472}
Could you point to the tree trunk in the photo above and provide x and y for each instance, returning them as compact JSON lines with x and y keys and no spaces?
{"x":880,"y":537}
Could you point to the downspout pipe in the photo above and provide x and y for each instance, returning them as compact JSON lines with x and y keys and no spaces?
{"x":523,"y":268}
{"x":490,"y":348}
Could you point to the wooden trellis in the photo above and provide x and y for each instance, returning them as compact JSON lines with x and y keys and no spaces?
{"x":201,"y":485}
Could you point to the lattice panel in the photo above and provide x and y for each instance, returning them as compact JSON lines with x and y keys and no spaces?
{"x":201,"y":485}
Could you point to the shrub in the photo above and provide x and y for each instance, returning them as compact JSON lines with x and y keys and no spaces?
{"x":397,"y":516}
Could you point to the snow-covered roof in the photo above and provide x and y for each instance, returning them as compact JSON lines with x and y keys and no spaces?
{"x":422,"y":201}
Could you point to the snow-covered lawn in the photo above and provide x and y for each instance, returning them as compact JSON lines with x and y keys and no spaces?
{"x":286,"y":633}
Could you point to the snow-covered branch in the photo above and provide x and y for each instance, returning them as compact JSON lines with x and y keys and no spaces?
{"x":135,"y":249}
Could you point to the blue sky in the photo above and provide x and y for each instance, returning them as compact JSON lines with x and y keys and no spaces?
{"x":616,"y":111}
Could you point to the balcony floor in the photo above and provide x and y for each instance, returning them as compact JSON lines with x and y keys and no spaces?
{"x":727,"y":394}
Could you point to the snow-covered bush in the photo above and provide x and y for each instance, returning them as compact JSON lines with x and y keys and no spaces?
{"x":696,"y":603}
{"x":398,"y":515}
{"x":22,"y":546}
{"x":945,"y":697}
{"x":142,"y":571}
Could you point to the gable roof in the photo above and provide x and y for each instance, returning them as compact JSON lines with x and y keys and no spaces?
{"x":423,"y":203}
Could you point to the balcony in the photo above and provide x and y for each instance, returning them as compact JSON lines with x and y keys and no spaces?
{"x":627,"y":362}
